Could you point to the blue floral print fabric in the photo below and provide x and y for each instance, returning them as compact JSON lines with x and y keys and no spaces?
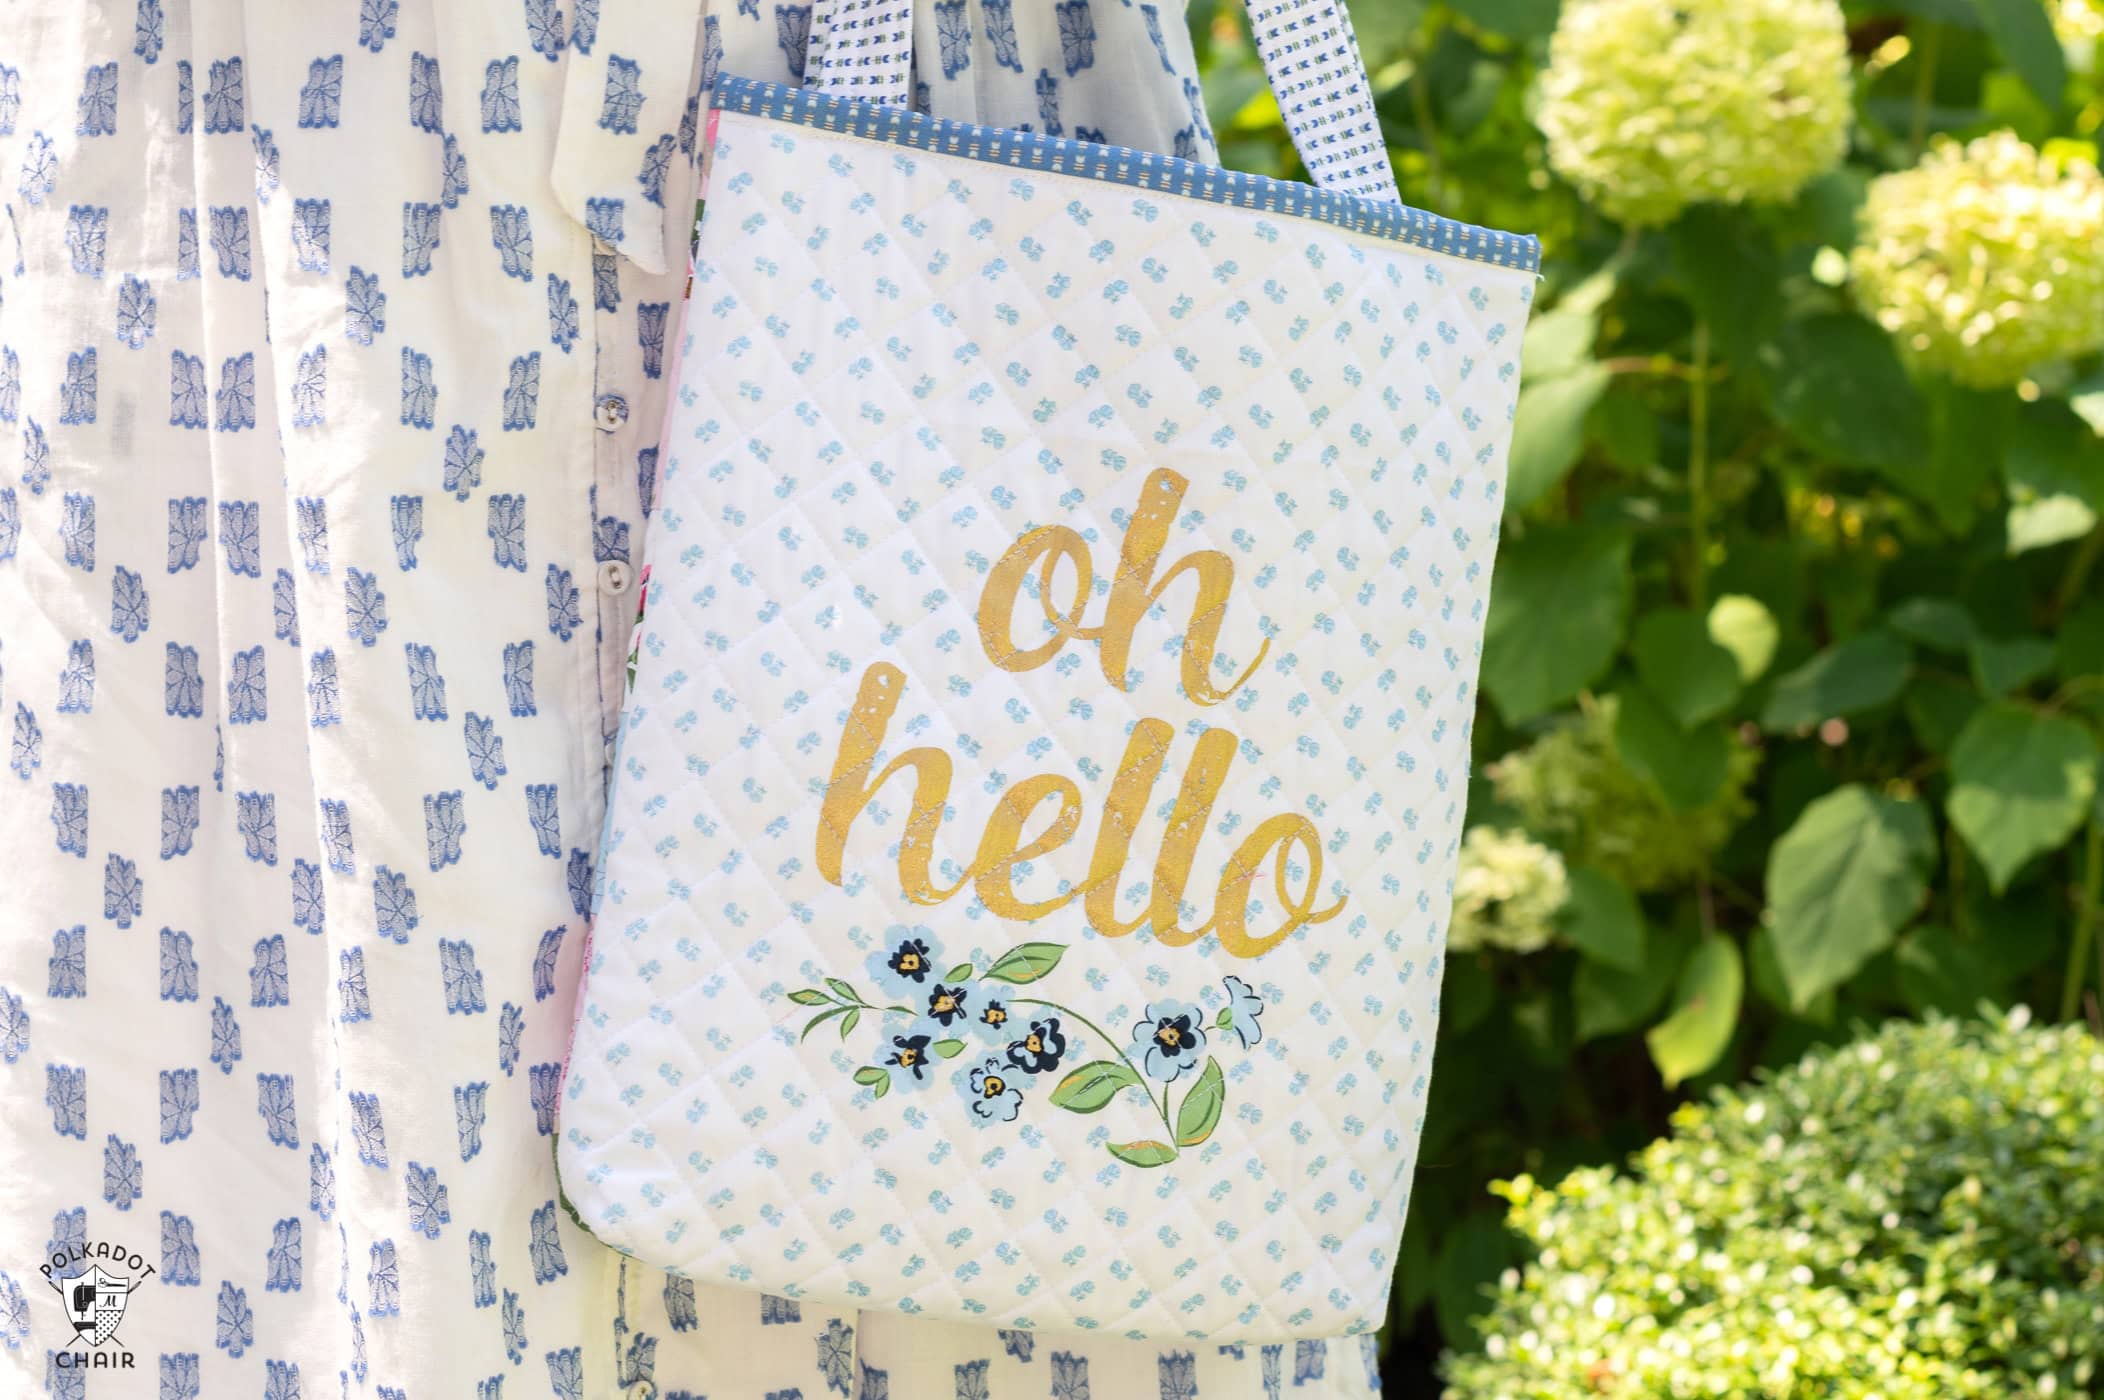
{"x":331,"y":358}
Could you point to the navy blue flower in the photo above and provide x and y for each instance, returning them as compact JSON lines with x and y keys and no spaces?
{"x":500,"y":95}
{"x":321,"y":96}
{"x":1169,"y":1039}
{"x":624,"y":92}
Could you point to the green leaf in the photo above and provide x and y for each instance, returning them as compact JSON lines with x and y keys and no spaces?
{"x":1608,"y":1001}
{"x":1602,"y":920}
{"x":1683,"y":666}
{"x":1938,"y":707}
{"x":2021,"y":782}
{"x":1824,"y":372}
{"x":1765,"y":974}
{"x":1548,"y":432}
{"x":882,"y":1087}
{"x":1475,"y":1251}
{"x":1859,"y":674}
{"x":1559,"y":341}
{"x":843,"y":990}
{"x":959,"y":973}
{"x":1966,"y":432}
{"x":1557,"y":606}
{"x":1026,"y":962}
{"x":1093,"y":1085}
{"x":1842,"y":881}
{"x":1743,"y":626}
{"x":1199,"y":1113}
{"x":2024,"y":34}
{"x":849,"y":1022}
{"x":1938,"y":971}
{"x":2080,"y":649}
{"x":1689,"y":766}
{"x":1145,"y":1153}
{"x":810,"y":996}
{"x":1516,"y":19}
{"x":820,"y":1019}
{"x":1705,"y":1012}
{"x":948,"y":1049}
{"x":1728,"y":267}
{"x":870,"y":1074}
{"x":2003,"y":664}
{"x":2053,"y":466}
{"x":1940,"y":624}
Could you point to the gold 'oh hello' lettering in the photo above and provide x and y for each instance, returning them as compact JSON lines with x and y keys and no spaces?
{"x":1135,"y":590}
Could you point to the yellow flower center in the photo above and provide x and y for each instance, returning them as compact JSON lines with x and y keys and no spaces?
{"x":993,"y":1087}
{"x":1169,"y":1036}
{"x":909,"y":962}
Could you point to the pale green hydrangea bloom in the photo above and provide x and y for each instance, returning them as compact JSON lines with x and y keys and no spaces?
{"x":1507,"y":891}
{"x":1986,"y":259}
{"x":1653,"y":105}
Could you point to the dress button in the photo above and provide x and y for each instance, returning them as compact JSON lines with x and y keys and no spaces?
{"x":615,"y":577}
{"x":612,"y":412}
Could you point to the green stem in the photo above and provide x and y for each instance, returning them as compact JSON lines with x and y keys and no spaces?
{"x":1924,"y":87}
{"x":1123,"y":1059}
{"x":2086,"y":914}
{"x":1698,"y":468}
{"x":2077,"y":576}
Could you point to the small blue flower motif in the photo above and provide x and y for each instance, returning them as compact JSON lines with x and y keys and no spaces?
{"x":394,"y":904}
{"x":69,"y":815}
{"x":544,"y":27}
{"x":376,"y":22}
{"x":178,"y":966}
{"x":463,"y":462}
{"x":281,"y":1380}
{"x":177,"y":822}
{"x":624,"y":94}
{"x":354,"y":997}
{"x":136,"y":312}
{"x":184,"y":691}
{"x":283,"y":1261}
{"x":324,"y":690}
{"x":426,"y":95}
{"x":123,"y":892}
{"x":1241,"y":1012}
{"x":147,"y":30}
{"x":14,"y":1027}
{"x":543,"y":1083}
{"x":274,"y":1103}
{"x":580,"y":881}
{"x":310,"y":234}
{"x":500,"y":95}
{"x":419,"y":236}
{"x":364,"y":307}
{"x":1000,"y":34}
{"x":311,"y":524}
{"x":910,"y":1055}
{"x":1048,"y":103}
{"x":427,"y":688}
{"x":606,"y":282}
{"x":230,"y":242}
{"x":711,"y":64}
{"x":10,"y":99}
{"x":609,"y":539}
{"x":321,"y":96}
{"x":87,"y":236}
{"x":188,"y":407}
{"x":427,"y":1201}
{"x":1178,"y":1372}
{"x":992,"y":1092}
{"x":452,"y":172}
{"x":566,"y":1373}
{"x":1077,"y":35}
{"x":181,"y":1378}
{"x":98,"y":101}
{"x":256,"y":817}
{"x":234,"y":405}
{"x":546,"y":1247}
{"x":907,"y":964}
{"x":267,"y":162}
{"x":541,"y":811}
{"x":121,"y":1173}
{"x":646,"y":479}
{"x":522,"y":393}
{"x":792,"y":34}
{"x":514,"y":1328}
{"x":77,"y":530}
{"x":518,"y":679}
{"x":247,"y":694}
{"x":445,"y":822}
{"x":76,"y":679}
{"x":284,"y":608}
{"x":681,"y":1315}
{"x":407,"y":514}
{"x":779,"y":1312}
{"x":562,"y":313}
{"x":953,"y":33}
{"x":485,"y":751}
{"x":36,"y":458}
{"x":656,"y":161}
{"x":10,"y":523}
{"x":1018,"y":1343}
{"x":563,"y":617}
{"x":179,"y":1257}
{"x":336,"y":834}
{"x":383,"y":1277}
{"x":128,"y":604}
{"x":76,"y":396}
{"x":1169,"y":1041}
{"x":584,"y":25}
{"x":270,"y":977}
{"x":68,"y":963}
{"x":368,"y":1130}
{"x":507,"y":530}
{"x":39,"y":169}
{"x":650,"y":334}
{"x":511,"y":1024}
{"x":187,"y":263}
{"x":604,"y":217}
{"x":310,"y":388}
{"x":10,"y":385}
{"x":419,"y":392}
{"x":469,"y":1114}
{"x":511,"y":234}
{"x":224,"y":97}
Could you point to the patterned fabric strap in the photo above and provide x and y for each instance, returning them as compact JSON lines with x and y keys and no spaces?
{"x":1311,"y":55}
{"x":862,"y":49}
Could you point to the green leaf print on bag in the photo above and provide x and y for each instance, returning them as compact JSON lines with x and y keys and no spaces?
{"x":1006,"y":1046}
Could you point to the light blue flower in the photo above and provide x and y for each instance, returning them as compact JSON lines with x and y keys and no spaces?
{"x":544,"y":27}
{"x":427,"y":688}
{"x":507,"y":530}
{"x":376,"y":22}
{"x":128,"y":610}
{"x":546,"y":1247}
{"x":226,"y":1036}
{"x":324,"y":690}
{"x":522,"y":393}
{"x":274,"y":1103}
{"x":123,"y":893}
{"x":419,"y":389}
{"x":420,"y":229}
{"x":657,"y":161}
{"x":511,"y":233}
{"x":267,"y":162}
{"x":368,"y":1129}
{"x":511,"y":1025}
{"x":234,"y":404}
{"x":321,"y":96}
{"x":991,"y":1090}
{"x":563,"y":617}
{"x":178,"y":1103}
{"x":500,"y":95}
{"x":14,"y":1027}
{"x":68,"y":963}
{"x":562,"y":314}
{"x":514,"y":1328}
{"x":426,"y":95}
{"x":98,"y":101}
{"x":121,"y":1173}
{"x":178,"y":966}
{"x":469,"y":1114}
{"x":1178,"y":1373}
{"x":270,"y":978}
{"x":541,"y":811}
{"x":87,"y":236}
{"x":39,"y":169}
{"x":66,"y":1095}
{"x":247,"y":693}
{"x":364,"y":306}
{"x":485,"y":751}
{"x":910,"y":1054}
{"x":427,"y":1201}
{"x":354,"y":996}
{"x":906,"y":965}
{"x":1241,"y":1012}
{"x":69,"y":814}
{"x":76,"y":393}
{"x":682,"y":1316}
{"x":624,"y":94}
{"x":364,"y":605}
{"x":394,"y":904}
{"x":462,"y":979}
{"x":1170,"y":1039}
{"x":284,"y":608}
{"x":230,"y":241}
{"x":148,"y":26}
{"x":383,"y":1278}
{"x":188,"y":407}
{"x":179,"y":1257}
{"x":310,"y":389}
{"x":544,"y":963}
{"x":224,"y":98}
{"x":518,"y":678}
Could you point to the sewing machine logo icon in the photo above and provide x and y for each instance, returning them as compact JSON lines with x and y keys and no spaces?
{"x":94,"y":1303}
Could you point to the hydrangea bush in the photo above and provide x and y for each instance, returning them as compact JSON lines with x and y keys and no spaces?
{"x":1918,"y":1216}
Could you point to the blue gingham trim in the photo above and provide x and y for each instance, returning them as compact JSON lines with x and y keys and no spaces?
{"x":1146,"y":170}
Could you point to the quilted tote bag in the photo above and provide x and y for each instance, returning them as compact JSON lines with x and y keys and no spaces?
{"x":1033,"y":821}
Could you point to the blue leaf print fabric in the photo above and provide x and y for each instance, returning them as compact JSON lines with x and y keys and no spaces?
{"x":318,"y":536}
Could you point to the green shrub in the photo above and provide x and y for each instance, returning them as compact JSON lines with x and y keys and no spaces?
{"x":1918,"y":1215}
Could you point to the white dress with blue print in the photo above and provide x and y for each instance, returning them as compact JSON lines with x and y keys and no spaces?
{"x":331,"y":357}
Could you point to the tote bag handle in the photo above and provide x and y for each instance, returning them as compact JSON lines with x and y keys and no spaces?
{"x":864,"y":49}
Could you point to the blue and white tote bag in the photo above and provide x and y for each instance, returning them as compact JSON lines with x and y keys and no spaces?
{"x":1030,"y":849}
